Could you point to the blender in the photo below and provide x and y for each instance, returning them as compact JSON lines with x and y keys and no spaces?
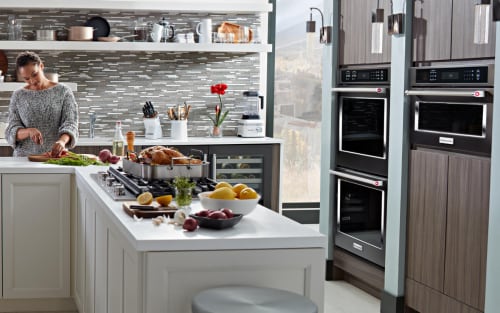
{"x":250,"y":124}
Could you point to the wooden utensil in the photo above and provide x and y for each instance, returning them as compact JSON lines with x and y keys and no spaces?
{"x":4,"y":63}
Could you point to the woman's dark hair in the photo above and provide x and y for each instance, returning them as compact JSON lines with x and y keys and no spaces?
{"x":27,"y":57}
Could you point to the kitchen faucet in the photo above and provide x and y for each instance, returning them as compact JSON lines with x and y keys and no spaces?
{"x":92,"y":118}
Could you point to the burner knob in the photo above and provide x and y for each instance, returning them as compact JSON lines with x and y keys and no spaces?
{"x":109,"y":181}
{"x":118,"y":189}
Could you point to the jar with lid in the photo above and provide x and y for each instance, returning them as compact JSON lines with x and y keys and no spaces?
{"x":141,"y":30}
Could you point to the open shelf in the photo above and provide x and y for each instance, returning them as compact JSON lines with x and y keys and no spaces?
{"x":15,"y":86}
{"x":222,"y":6}
{"x":133,"y":46}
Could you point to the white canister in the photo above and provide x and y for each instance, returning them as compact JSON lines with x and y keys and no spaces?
{"x":178,"y":130}
{"x":152,"y":128}
{"x":204,"y":30}
{"x":157,"y":32}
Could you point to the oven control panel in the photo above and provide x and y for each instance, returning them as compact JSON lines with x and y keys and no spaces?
{"x":467,"y":75}
{"x":377,"y":75}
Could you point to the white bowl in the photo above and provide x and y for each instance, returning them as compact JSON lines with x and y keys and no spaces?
{"x":237,"y":206}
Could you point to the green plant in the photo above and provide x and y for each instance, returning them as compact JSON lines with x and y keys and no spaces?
{"x":219,"y":89}
{"x":183,"y":190}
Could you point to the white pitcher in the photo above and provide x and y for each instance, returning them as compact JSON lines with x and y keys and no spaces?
{"x":156,"y":32}
{"x":204,"y":30}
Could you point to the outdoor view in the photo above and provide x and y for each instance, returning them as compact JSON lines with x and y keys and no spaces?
{"x":298,"y":99}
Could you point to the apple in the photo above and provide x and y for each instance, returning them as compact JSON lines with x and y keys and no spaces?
{"x":229,"y":213}
{"x":190,"y":224}
{"x":217,"y":215}
{"x":113,"y":159}
{"x":203,"y":213}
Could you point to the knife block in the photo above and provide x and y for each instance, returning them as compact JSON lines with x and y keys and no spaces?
{"x":152,"y":128}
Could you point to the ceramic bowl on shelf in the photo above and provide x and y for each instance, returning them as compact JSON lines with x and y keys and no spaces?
{"x":207,"y":222}
{"x":237,"y":206}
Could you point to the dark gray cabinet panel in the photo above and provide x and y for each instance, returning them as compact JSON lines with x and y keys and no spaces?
{"x":432,"y":22}
{"x":467,"y":229}
{"x":355,"y":32}
{"x":447,"y":231}
{"x":427,"y":218}
{"x":463,"y":46}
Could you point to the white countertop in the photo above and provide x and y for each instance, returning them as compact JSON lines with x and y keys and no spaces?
{"x":261,"y":229}
{"x":166,"y":141}
{"x":21,"y":165}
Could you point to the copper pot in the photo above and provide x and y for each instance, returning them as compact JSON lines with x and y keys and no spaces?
{"x":81,"y":33}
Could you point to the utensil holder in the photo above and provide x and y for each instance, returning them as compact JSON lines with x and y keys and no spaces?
{"x":178,"y":130}
{"x":152,"y":128}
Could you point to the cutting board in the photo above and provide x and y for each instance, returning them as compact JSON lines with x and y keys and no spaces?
{"x":39,"y":158}
{"x":156,"y":211}
{"x":4,"y":63}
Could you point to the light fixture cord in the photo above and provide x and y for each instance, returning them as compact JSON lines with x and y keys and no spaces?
{"x":322,"y":24}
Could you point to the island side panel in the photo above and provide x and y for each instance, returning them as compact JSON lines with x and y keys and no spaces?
{"x":173,"y":278}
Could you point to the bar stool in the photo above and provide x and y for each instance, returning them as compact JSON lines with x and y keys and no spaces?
{"x":249,"y":299}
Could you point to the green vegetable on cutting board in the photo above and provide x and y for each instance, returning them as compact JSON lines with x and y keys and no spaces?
{"x":74,"y":159}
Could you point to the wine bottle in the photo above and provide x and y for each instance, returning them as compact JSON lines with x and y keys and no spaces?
{"x":118,"y":140}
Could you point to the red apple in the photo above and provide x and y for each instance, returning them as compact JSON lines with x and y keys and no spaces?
{"x":203,"y":213}
{"x":217,"y":215}
{"x":190,"y":224}
{"x":229,"y":213}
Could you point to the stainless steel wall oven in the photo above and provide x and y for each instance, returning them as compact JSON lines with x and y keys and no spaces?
{"x":363,"y":120}
{"x":452,"y":108}
{"x":360,"y":221}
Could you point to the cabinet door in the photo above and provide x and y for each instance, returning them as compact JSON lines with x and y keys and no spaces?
{"x":355,"y":31}
{"x":463,"y":46}
{"x":79,"y":262}
{"x":432,"y":30}
{"x":426,"y":227}
{"x":467,"y":229}
{"x":253,"y":165}
{"x":36,"y":235}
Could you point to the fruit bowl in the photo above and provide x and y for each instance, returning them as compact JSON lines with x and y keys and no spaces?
{"x":217,"y":223}
{"x":237,"y":206}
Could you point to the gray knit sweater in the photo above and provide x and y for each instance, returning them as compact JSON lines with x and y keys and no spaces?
{"x":52,"y":111}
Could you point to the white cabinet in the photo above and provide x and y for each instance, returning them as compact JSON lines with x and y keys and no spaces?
{"x":36,"y":235}
{"x":107,"y":269}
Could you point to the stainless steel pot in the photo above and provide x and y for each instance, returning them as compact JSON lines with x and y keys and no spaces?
{"x":81,"y":33}
{"x":45,"y":34}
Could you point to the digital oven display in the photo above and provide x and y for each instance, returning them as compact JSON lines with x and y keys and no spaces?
{"x":462,"y":75}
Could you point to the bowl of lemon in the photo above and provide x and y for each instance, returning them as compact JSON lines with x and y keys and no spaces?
{"x":240,"y":198}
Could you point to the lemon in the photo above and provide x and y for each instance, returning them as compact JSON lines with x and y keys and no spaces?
{"x":223,"y":184}
{"x":248,"y":193}
{"x":224,"y":193}
{"x":164,"y":200}
{"x":238,"y":188}
{"x":145,"y":198}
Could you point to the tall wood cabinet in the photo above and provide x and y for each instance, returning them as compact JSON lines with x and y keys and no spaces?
{"x":444,"y":30}
{"x":447,"y":232}
{"x":355,"y":32}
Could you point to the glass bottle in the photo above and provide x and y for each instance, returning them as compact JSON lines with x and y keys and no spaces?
{"x":118,"y":140}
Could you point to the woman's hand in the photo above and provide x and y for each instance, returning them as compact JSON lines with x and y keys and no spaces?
{"x":36,"y":136}
{"x":57,"y":148}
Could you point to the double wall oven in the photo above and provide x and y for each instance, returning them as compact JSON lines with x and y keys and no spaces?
{"x":360,"y":172}
{"x":452,"y":108}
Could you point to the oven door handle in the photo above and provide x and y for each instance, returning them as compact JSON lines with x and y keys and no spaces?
{"x":373,"y":182}
{"x":447,"y":93}
{"x":380,"y":90}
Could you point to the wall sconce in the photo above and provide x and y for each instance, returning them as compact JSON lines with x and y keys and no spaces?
{"x":481,"y":22}
{"x":377,"y":30}
{"x":325,"y":33}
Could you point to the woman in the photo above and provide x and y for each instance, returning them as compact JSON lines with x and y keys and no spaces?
{"x":43,"y":115}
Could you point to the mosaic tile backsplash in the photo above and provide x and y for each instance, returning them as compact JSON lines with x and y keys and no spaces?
{"x":116,"y":84}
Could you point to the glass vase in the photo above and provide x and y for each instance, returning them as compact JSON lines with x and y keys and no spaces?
{"x":183,"y":198}
{"x":216,"y":131}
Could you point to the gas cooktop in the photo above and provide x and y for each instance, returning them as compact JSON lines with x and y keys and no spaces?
{"x":122,"y":186}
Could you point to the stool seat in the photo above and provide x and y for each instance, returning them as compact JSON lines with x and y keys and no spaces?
{"x":249,"y":299}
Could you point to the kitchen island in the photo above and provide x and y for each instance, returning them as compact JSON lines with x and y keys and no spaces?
{"x":123,"y":265}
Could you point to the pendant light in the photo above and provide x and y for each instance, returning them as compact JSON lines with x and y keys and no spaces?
{"x":481,"y":22}
{"x":377,"y":30}
{"x":325,"y":32}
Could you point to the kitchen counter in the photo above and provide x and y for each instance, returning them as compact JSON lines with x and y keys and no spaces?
{"x":262,"y":229}
{"x":166,"y":141}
